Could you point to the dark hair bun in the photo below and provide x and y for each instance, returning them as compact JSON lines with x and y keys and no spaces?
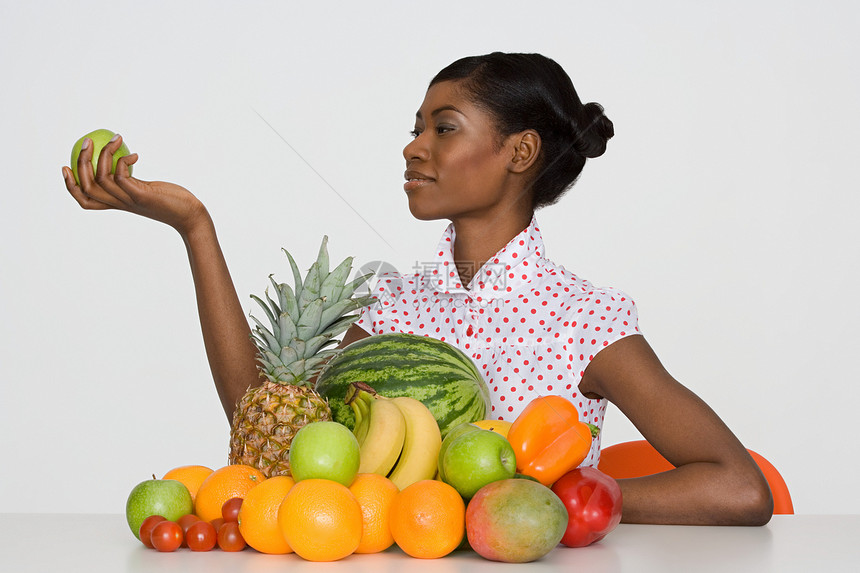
{"x":591,"y":130}
{"x":531,"y":91}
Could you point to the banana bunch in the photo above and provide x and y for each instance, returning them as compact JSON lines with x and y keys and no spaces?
{"x":397,"y":437}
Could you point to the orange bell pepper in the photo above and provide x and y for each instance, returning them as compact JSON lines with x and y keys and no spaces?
{"x":549,"y":439}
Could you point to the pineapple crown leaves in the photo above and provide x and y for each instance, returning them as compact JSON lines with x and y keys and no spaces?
{"x":304,"y":320}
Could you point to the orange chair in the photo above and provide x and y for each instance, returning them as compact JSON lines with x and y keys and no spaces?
{"x":639,"y":458}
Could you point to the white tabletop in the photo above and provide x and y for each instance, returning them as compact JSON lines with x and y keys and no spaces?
{"x":103,"y":543}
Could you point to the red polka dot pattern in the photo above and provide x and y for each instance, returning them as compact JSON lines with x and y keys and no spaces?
{"x":531,"y":326}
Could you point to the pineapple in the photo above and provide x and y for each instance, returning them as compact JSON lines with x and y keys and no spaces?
{"x":303,"y":323}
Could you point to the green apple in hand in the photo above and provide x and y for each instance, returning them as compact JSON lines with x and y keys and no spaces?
{"x":326,"y":450}
{"x":476,"y":459}
{"x":100,"y":138}
{"x":165,"y":497}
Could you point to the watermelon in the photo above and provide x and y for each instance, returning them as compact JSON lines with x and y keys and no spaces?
{"x":436,"y":373}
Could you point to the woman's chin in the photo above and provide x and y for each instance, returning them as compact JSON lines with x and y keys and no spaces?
{"x":423,"y":214}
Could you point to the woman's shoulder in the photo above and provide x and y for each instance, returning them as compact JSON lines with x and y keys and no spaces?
{"x":607,"y":312}
{"x":557,"y":279}
{"x":595,"y":316}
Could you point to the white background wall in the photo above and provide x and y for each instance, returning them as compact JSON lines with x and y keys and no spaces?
{"x":726,"y":206}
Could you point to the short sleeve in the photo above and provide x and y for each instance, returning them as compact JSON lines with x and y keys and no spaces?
{"x":599,"y":318}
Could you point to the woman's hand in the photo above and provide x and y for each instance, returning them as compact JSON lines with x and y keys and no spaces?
{"x":157,"y":200}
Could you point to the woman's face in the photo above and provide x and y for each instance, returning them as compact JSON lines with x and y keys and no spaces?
{"x":455,"y":167}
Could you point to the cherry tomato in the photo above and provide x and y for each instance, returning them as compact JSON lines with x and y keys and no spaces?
{"x":230,"y":509}
{"x":185,"y":522}
{"x":201,"y":536}
{"x":217,"y":523}
{"x":166,"y":536}
{"x":146,"y":529}
{"x":229,"y":537}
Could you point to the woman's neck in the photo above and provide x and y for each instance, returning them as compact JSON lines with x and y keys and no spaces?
{"x":477,"y":240}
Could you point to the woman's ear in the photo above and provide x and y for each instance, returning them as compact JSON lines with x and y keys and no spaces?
{"x":526,"y":150}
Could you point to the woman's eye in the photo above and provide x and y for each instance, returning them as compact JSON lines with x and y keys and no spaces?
{"x":440,"y":129}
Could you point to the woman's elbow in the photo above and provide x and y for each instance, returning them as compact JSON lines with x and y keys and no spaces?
{"x":755,"y":499}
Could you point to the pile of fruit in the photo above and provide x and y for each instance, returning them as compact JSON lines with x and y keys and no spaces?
{"x":392,"y":480}
{"x":353,"y":451}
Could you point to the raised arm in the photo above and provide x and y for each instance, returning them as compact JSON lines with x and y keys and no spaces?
{"x":226,"y":333}
{"x":715,"y":482}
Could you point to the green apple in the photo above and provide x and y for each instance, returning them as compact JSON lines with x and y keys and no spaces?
{"x":452,"y":435}
{"x":100,"y":138}
{"x":165,"y":497}
{"x":476,"y":459}
{"x":326,"y":450}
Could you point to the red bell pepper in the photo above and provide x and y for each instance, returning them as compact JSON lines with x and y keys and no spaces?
{"x":549,"y":439}
{"x":593,"y":502}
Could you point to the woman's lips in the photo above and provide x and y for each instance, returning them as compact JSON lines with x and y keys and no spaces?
{"x":415,"y":180}
{"x":413,"y":184}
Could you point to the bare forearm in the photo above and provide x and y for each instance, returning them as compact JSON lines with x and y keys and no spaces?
{"x":226,"y":333}
{"x":700,"y":493}
{"x":715,"y":481}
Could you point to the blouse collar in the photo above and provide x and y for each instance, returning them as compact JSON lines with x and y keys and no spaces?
{"x":506,"y":270}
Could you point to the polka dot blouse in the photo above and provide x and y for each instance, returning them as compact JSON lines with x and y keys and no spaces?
{"x":531,"y":326}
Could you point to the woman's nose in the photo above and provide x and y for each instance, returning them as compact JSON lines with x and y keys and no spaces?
{"x":415,"y":149}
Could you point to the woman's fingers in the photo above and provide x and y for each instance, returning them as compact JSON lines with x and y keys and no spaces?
{"x":86,"y":177}
{"x":85,"y":169}
{"x":128,"y":184}
{"x":93,"y":185}
{"x":104,"y":166}
{"x":78,"y":194}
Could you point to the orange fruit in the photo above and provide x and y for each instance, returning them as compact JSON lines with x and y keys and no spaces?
{"x":190,"y":476}
{"x":374,"y":493}
{"x":258,"y":516}
{"x":428,"y":519}
{"x":321,"y":520}
{"x":497,"y":426}
{"x":222,"y":484}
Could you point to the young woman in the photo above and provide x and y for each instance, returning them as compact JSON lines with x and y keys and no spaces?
{"x":497,"y":137}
